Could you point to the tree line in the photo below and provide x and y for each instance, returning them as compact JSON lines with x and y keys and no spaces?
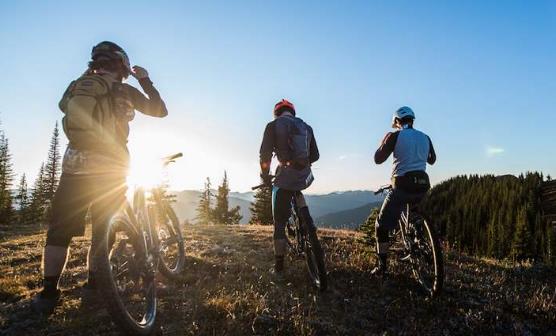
{"x":220,"y":213}
{"x":495,"y":216}
{"x":20,"y":203}
{"x":491,"y":216}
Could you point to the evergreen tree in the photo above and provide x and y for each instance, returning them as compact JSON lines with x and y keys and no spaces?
{"x":369,"y":227}
{"x":6,"y":180}
{"x":261,"y":207}
{"x":499,"y":216}
{"x":222,"y":214}
{"x":38,"y":201}
{"x":53,"y":166}
{"x":522,"y":236}
{"x":204,"y":209}
{"x":23,"y":202}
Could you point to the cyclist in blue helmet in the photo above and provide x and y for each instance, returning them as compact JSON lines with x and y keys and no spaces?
{"x":412,"y":150}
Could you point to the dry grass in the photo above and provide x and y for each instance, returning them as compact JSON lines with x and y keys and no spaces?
{"x":228,"y":290}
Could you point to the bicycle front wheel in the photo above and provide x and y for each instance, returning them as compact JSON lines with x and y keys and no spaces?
{"x":125,"y":281}
{"x":314,"y":257}
{"x":172,"y":246}
{"x":426,"y":256}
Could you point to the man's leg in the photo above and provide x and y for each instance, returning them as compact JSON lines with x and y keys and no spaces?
{"x":281,"y":203}
{"x":386,"y":221}
{"x":53,"y":264}
{"x":304,"y":213}
{"x":66,"y":222}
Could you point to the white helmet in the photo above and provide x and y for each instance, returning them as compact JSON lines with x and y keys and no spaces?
{"x":402,"y":112}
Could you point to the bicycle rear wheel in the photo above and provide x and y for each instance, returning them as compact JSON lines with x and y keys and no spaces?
{"x":126,"y":284}
{"x":426,"y":256}
{"x":314,"y":257}
{"x":172,"y":247}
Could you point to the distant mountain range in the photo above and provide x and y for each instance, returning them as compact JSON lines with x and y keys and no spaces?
{"x":337,"y":209}
{"x":347,"y":219}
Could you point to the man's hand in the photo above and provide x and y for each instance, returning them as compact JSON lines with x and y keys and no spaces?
{"x":266,"y":179}
{"x":139,"y":73}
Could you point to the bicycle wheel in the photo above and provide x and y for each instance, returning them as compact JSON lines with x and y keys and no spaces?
{"x":426,"y":255}
{"x":171,"y":244}
{"x":126,"y":282}
{"x":314,"y":256}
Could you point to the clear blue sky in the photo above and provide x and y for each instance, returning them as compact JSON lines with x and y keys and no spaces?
{"x":480,"y":76}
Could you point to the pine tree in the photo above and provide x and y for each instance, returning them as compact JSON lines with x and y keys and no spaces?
{"x":53,"y":166}
{"x":261,"y":207}
{"x":204,"y":209}
{"x":38,"y":202}
{"x":6,"y":180}
{"x":369,"y":227}
{"x":521,"y":237}
{"x":23,"y":202}
{"x":234,"y":216}
{"x":222,"y":214}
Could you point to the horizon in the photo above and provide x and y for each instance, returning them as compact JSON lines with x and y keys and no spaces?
{"x":479,"y":77}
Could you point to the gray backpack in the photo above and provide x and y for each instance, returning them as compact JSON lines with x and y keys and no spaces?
{"x":298,"y":140}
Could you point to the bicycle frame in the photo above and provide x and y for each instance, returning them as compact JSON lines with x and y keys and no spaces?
{"x":404,"y":224}
{"x":141,"y":214}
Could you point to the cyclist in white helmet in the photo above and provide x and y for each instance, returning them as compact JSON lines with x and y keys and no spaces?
{"x":412,"y":150}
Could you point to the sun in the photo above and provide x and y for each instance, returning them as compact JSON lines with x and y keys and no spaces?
{"x":146,"y":173}
{"x":146,"y":166}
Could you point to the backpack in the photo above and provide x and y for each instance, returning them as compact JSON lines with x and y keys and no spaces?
{"x":298,"y":141}
{"x":89,"y":121}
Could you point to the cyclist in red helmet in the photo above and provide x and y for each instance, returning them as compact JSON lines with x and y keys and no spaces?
{"x":97,"y":109}
{"x":293,"y":142}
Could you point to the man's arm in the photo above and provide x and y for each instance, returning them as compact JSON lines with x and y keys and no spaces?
{"x":386,"y":147}
{"x":267,"y":148}
{"x":432,"y":155}
{"x":314,"y":154}
{"x":153,"y":105}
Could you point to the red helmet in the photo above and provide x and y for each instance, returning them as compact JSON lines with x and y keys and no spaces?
{"x":283,"y":105}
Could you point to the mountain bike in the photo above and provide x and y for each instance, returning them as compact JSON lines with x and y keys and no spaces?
{"x":145,"y":237}
{"x":303,"y":243}
{"x":420,"y":247}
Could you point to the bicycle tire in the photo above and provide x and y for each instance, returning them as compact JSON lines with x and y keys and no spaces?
{"x":314,"y":257}
{"x":171,"y":222}
{"x":437,"y":258}
{"x":109,"y":290}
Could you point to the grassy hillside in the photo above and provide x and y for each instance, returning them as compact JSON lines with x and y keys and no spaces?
{"x":228,"y":290}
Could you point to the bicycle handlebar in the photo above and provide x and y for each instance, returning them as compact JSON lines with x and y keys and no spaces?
{"x":262,"y":185}
{"x":169,"y":159}
{"x":383,"y":189}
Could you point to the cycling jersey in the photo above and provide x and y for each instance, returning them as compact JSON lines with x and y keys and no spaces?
{"x":412,"y":150}
{"x":290,"y":175}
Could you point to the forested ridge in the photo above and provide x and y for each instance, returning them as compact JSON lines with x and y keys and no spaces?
{"x":495,"y":216}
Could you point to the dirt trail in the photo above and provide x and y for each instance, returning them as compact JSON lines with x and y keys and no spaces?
{"x":228,"y":290}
